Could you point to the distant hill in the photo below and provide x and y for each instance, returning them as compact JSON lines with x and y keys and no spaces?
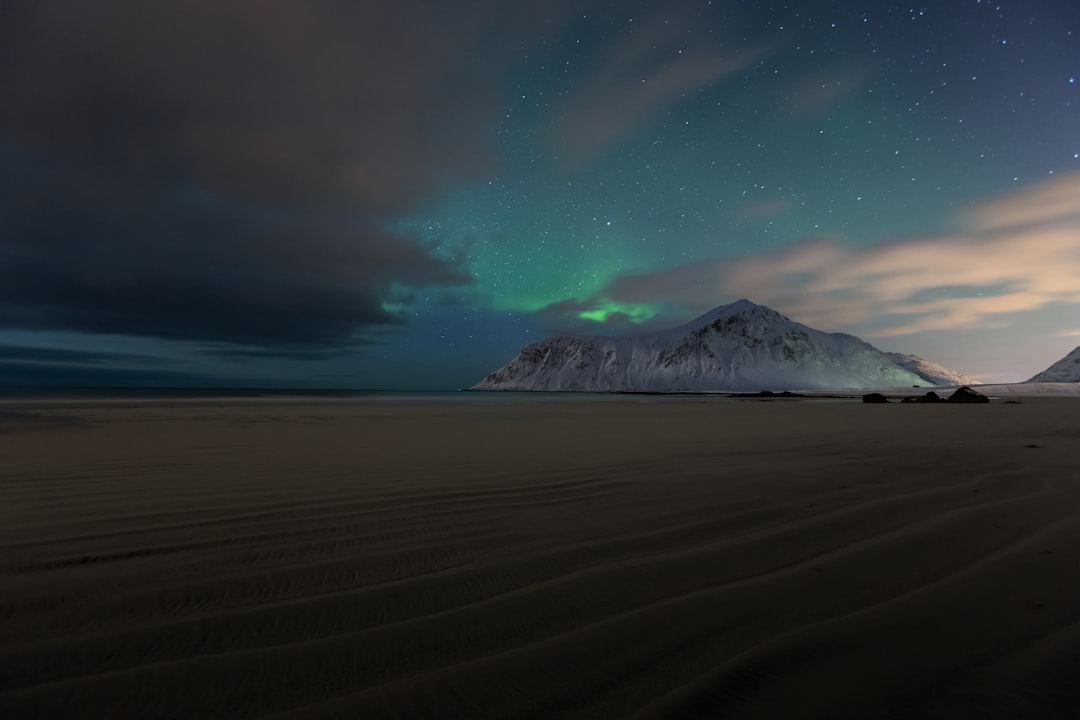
{"x":740,"y":347}
{"x":1065,"y":370}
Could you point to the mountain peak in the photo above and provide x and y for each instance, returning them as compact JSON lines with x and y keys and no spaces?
{"x":739,"y":308}
{"x":741,"y":304}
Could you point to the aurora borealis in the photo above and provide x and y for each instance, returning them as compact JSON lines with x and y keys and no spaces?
{"x":400,"y":195}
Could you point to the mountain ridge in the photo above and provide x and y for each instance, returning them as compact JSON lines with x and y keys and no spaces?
{"x":1065,"y":370}
{"x":740,"y":346}
{"x":930,"y":371}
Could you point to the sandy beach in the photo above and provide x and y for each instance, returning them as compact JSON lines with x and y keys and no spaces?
{"x":625,"y":558}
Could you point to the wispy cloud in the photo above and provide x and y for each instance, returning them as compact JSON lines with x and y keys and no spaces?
{"x":766,"y":209}
{"x":821,"y":91}
{"x":1018,"y":253}
{"x":633,"y":79}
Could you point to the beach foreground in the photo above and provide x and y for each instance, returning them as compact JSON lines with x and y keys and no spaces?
{"x":690,"y":558}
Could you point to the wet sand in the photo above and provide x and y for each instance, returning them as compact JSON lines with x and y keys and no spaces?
{"x":631,"y":558}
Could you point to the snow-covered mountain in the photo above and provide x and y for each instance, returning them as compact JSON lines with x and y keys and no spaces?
{"x":741,"y":346}
{"x":1065,"y":370}
{"x":930,"y":371}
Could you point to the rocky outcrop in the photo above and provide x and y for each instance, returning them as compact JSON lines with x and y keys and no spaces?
{"x":967,"y":395}
{"x":930,"y":397}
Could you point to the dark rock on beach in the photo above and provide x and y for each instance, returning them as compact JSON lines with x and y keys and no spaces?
{"x":930,"y":397}
{"x":874,"y":398}
{"x":967,"y":395}
{"x":769,"y":394}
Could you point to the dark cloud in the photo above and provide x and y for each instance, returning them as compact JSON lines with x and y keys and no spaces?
{"x":112,"y":258}
{"x":34,"y":374}
{"x":226,"y":172}
{"x":32,"y":366}
{"x":253,"y":354}
{"x":362,"y":103}
{"x":23,"y":353}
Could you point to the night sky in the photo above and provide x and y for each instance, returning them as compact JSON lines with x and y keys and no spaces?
{"x":401,"y":194}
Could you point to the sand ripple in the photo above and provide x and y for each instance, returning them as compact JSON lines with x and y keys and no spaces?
{"x":736,"y":559}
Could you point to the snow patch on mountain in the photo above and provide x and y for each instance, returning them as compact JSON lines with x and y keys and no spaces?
{"x":738,"y":347}
{"x":930,"y":371}
{"x":1065,"y":370}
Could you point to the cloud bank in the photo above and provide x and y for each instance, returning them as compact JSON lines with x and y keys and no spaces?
{"x":1018,"y":253}
{"x":227,"y":172}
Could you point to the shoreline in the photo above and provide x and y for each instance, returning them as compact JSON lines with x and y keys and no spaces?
{"x":179,"y":394}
